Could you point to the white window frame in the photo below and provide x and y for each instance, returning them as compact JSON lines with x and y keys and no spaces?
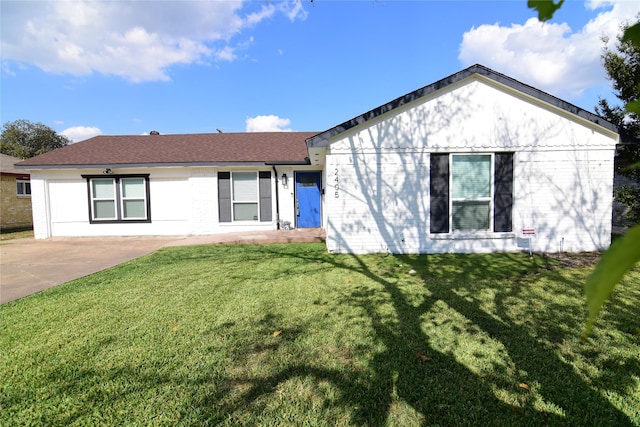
{"x":25,"y":185}
{"x":480,"y":199}
{"x":124,"y":199}
{"x":118,"y":198}
{"x":94,"y":199}
{"x":235,"y":202}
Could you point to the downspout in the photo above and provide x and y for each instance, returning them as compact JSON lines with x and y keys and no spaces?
{"x":275,"y":172}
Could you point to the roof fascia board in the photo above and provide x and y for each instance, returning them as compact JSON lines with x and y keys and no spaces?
{"x":322,"y":139}
{"x":160,"y":165}
{"x":552,"y":103}
{"x":288,"y":163}
{"x":16,"y":174}
{"x":145,"y":165}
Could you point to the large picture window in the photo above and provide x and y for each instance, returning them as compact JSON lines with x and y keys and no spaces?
{"x":471,"y":192}
{"x":244,"y":196}
{"x":122,"y":198}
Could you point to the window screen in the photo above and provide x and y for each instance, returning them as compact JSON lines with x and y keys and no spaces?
{"x":245,"y":187}
{"x":471,"y":192}
{"x":245,"y":196}
{"x":104,"y":198}
{"x":133,"y":198}
{"x":471,"y":177}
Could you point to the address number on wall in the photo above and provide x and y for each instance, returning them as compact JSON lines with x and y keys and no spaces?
{"x":336,"y":183}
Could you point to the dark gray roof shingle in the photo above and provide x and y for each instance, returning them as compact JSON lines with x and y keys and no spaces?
{"x":210,"y":148}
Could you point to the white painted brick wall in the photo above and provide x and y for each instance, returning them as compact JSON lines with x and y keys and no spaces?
{"x":563,"y":175}
{"x":203,"y":186}
{"x":39,"y":207}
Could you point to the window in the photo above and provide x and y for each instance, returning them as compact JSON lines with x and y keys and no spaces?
{"x":308,"y":181}
{"x":134,"y":204}
{"x":103,"y":199}
{"x":244,"y":196}
{"x":471,"y":192}
{"x":118,"y":198}
{"x":23,"y":188}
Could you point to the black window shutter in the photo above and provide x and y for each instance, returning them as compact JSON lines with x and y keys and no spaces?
{"x":224,"y":196}
{"x":439,"y":193}
{"x":503,"y":192}
{"x":265,"y":196}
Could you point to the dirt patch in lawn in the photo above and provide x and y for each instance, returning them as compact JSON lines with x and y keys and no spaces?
{"x":582,"y":259}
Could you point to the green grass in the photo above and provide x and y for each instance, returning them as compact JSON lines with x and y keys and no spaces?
{"x":16,"y":233}
{"x":291,"y":335}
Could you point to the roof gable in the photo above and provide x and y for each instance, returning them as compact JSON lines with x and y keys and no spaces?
{"x":189,"y":149}
{"x":321,"y":139}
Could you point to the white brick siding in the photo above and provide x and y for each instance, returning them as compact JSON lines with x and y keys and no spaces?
{"x":563,"y":174}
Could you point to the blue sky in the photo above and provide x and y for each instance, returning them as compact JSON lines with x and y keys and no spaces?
{"x":129,"y":67}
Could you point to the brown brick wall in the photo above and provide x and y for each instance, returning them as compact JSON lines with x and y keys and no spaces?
{"x":14,"y":211}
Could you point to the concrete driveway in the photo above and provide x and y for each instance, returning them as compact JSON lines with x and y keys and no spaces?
{"x":28,"y":266}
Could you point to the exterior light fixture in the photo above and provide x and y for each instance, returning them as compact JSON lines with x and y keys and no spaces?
{"x":107,"y":171}
{"x":285,"y":179}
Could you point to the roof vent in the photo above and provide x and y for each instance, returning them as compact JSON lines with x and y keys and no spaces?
{"x":154,"y":132}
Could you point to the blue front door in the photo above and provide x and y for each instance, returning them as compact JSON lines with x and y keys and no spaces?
{"x":308,"y":199}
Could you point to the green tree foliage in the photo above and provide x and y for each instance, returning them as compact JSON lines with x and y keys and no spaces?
{"x":545,"y":8}
{"x":624,"y":254}
{"x":24,"y":139}
{"x":622,"y":65}
{"x":630,"y":197}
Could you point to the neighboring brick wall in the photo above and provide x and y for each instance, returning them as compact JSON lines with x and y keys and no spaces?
{"x":15,"y":211}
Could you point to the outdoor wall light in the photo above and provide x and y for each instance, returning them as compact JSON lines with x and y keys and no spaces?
{"x":285,"y":179}
{"x":107,"y":171}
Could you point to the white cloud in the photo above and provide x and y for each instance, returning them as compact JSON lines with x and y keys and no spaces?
{"x":227,"y":53}
{"x":136,"y":40}
{"x":80,"y":133}
{"x":269,"y":123}
{"x":551,"y":56}
{"x":294,"y":10}
{"x":266,"y":12}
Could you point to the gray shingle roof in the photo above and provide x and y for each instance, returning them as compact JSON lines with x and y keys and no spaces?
{"x":210,"y":148}
{"x":7,"y":166}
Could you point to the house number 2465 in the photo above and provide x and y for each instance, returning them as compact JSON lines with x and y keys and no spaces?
{"x":336,"y":183}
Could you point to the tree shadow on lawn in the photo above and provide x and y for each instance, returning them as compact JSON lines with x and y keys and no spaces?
{"x":414,"y":371}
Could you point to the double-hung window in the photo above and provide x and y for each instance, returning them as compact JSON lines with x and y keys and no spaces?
{"x":122,"y":198}
{"x":244,"y":196}
{"x":23,"y":188}
{"x":471,"y":192}
{"x":103,"y":199}
{"x":134,"y":198}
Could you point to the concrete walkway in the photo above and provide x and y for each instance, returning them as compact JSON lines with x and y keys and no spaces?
{"x":28,"y":266}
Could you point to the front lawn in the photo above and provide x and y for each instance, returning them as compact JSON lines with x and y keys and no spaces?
{"x":291,"y":335}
